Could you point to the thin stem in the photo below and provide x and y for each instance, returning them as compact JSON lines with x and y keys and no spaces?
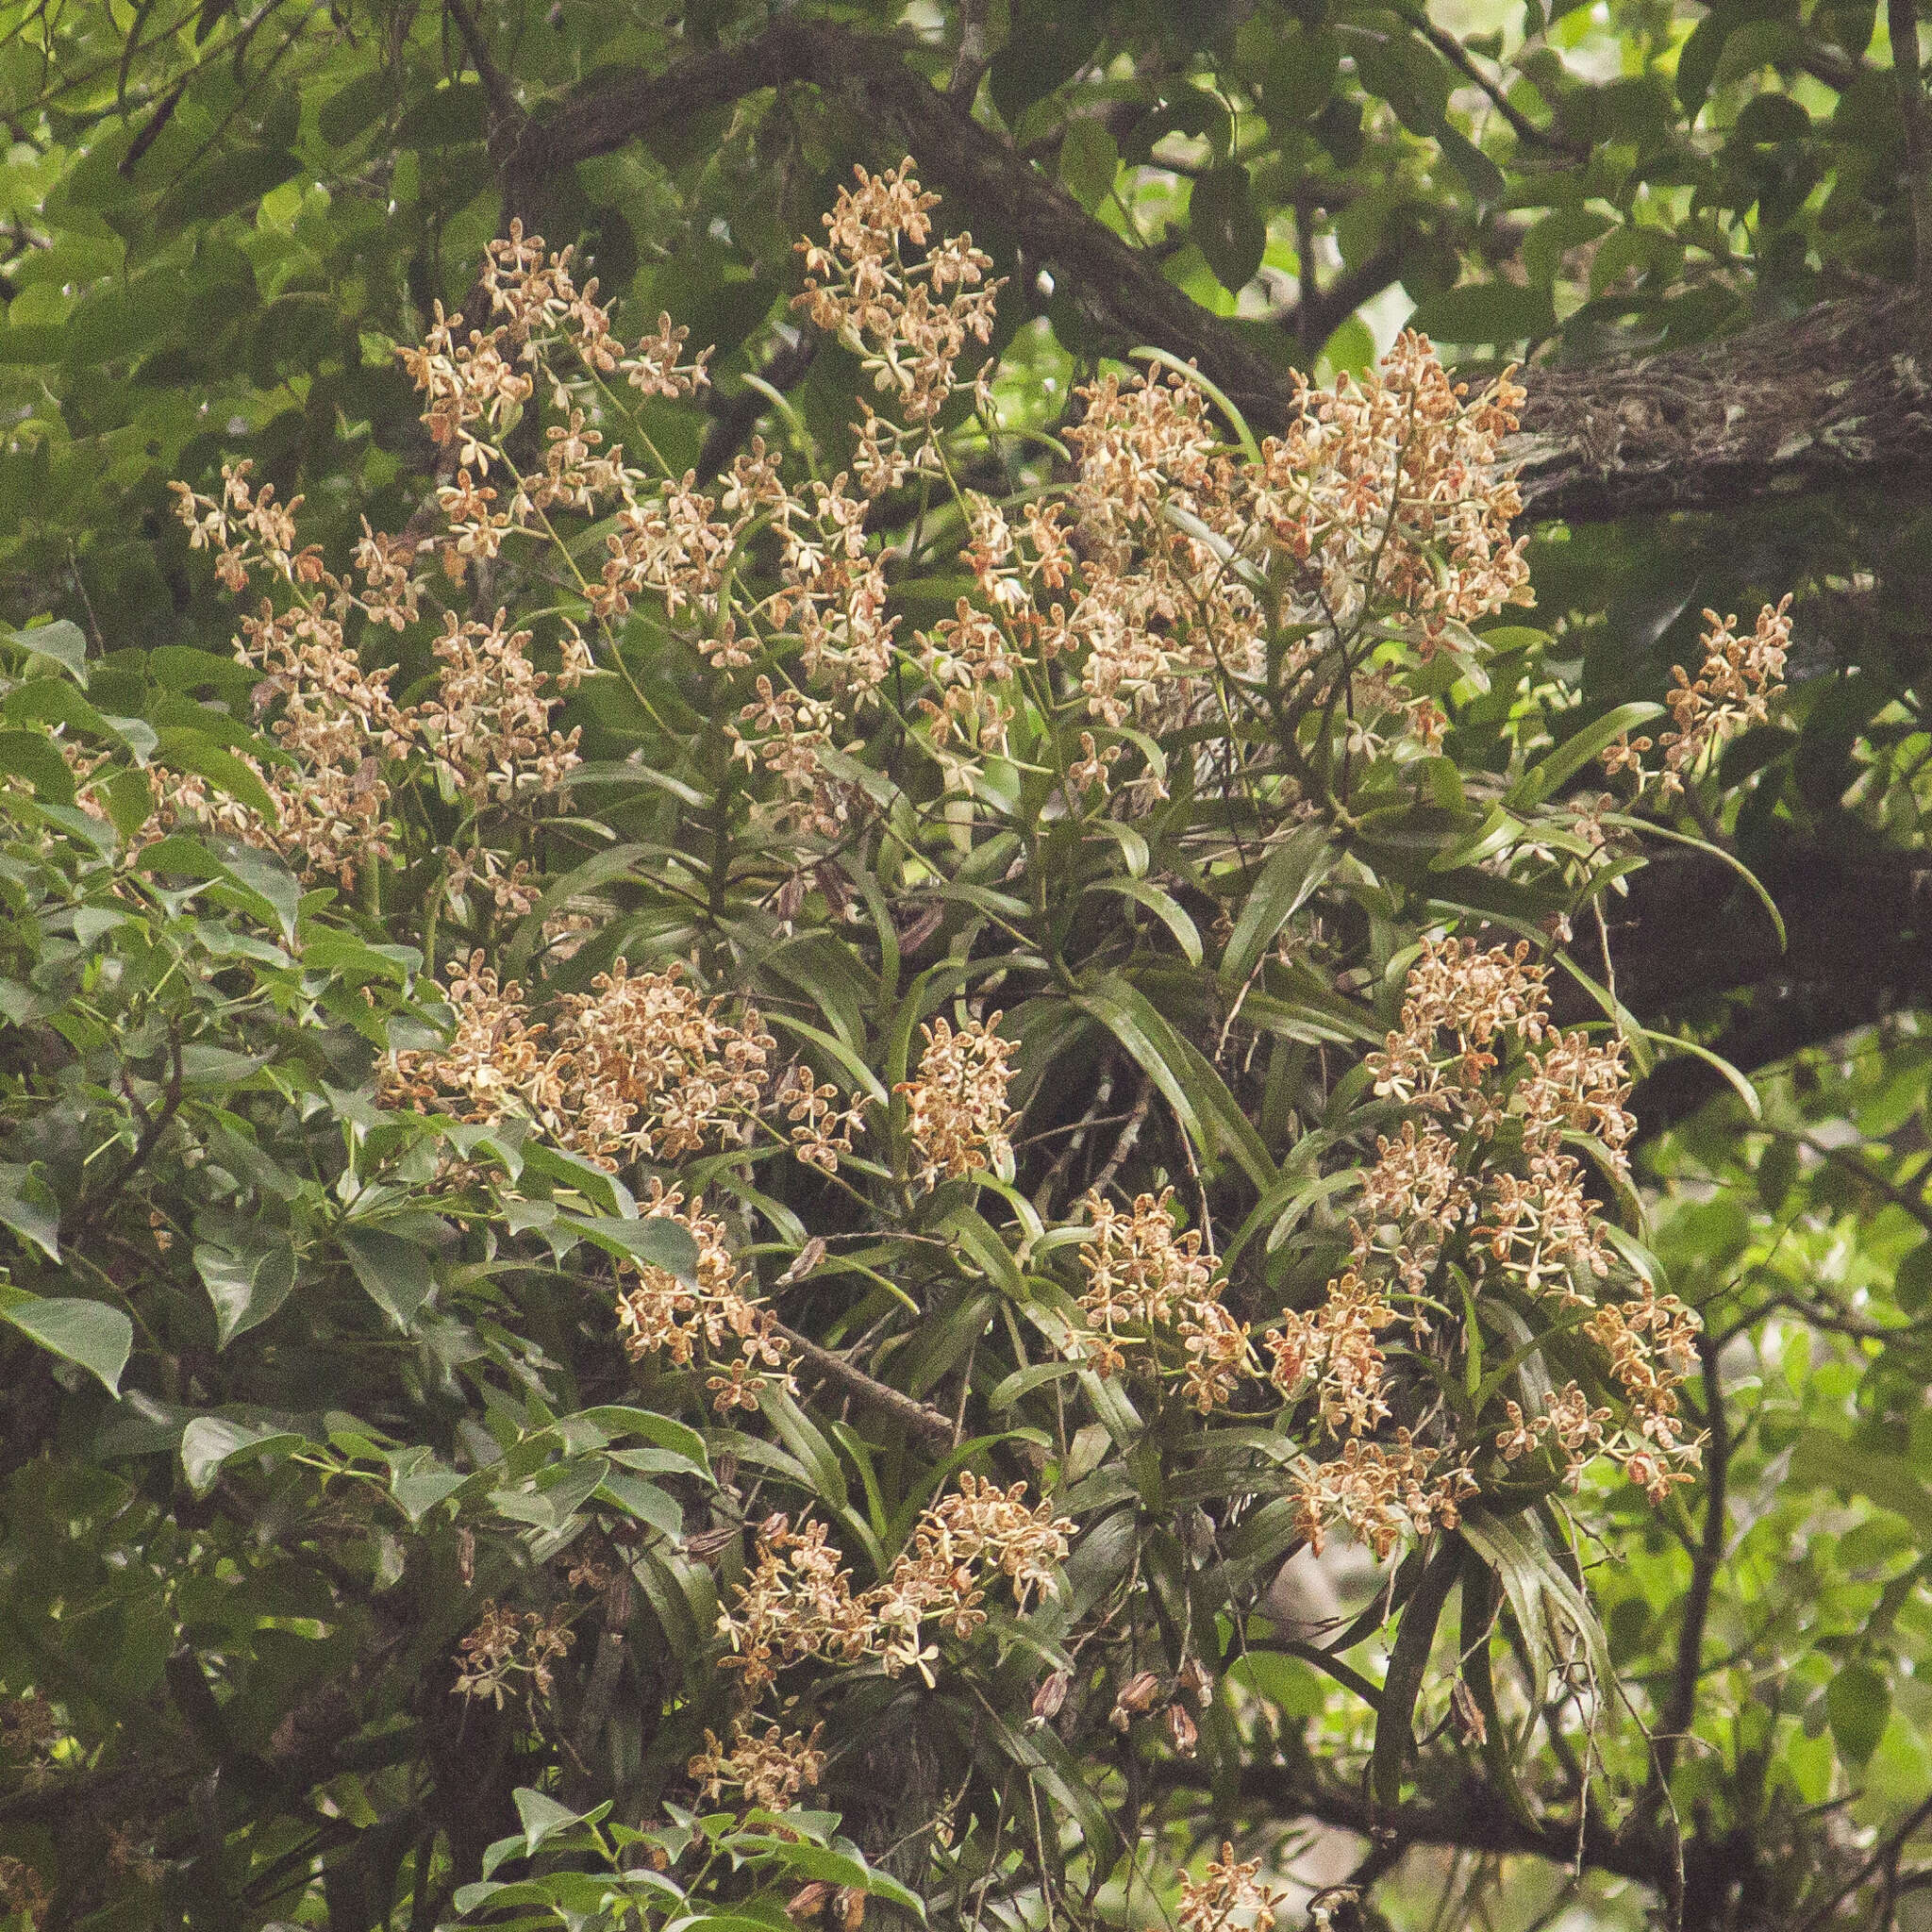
{"x":1901,"y":23}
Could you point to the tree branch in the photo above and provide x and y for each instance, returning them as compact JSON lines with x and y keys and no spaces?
{"x":1888,"y":1846}
{"x":503,"y":111}
{"x":1838,"y":395}
{"x":1691,"y":935}
{"x":1468,"y":1814}
{"x":928,"y":1425}
{"x":1125,"y":297}
{"x":1834,"y":395}
{"x":91,"y":1210}
{"x":1526,"y":130}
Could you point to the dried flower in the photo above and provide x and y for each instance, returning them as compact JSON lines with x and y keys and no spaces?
{"x":488,"y":726}
{"x":1133,"y":1698}
{"x":894,"y":312}
{"x":636,"y":1069}
{"x":770,"y":1771}
{"x":654,"y":1071}
{"x":820,"y":1129}
{"x":495,"y":1057}
{"x":1337,"y":1347}
{"x":1183,"y":1733}
{"x":504,"y":1646}
{"x":1050,"y":1697}
{"x":796,"y":1603}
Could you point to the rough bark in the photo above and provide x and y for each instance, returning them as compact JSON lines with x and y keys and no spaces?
{"x":1840,"y":395}
{"x":1859,"y":933}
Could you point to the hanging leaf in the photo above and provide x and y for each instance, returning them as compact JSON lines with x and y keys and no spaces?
{"x":1228,"y":227}
{"x":96,"y":1336}
{"x":394,"y":1274}
{"x":30,"y":1210}
{"x":248,"y":1283}
{"x":62,"y":642}
{"x":210,"y":1442}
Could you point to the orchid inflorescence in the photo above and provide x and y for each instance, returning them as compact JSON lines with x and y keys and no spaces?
{"x":1277,"y":609}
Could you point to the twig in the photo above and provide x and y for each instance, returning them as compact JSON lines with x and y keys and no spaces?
{"x":1526,"y":130}
{"x":86,"y":603}
{"x":968,"y":69}
{"x":1833,"y":1320}
{"x":928,"y":1425}
{"x":1305,"y":261}
{"x":1884,"y":1848}
{"x":1682,"y":1707}
{"x":503,"y":111}
{"x":153,"y":1127}
{"x":1129,"y":1135}
{"x":1913,"y":1203}
{"x":1079,"y":1130}
{"x":965,"y":1389}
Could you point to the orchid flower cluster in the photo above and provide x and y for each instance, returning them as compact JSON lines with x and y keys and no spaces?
{"x":1480,"y":1193}
{"x":1477,"y":1191}
{"x":798,"y":1603}
{"x":484,"y":732}
{"x":1741,"y":679}
{"x":1164,"y":578}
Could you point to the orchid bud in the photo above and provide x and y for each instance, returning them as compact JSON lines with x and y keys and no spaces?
{"x":1181,"y":1729}
{"x":1195,"y":1681}
{"x":1136,"y":1695}
{"x":1051,"y":1695}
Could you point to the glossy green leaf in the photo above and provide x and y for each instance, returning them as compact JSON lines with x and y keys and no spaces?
{"x":395,"y":1273}
{"x":28,"y":1210}
{"x":94,"y":1335}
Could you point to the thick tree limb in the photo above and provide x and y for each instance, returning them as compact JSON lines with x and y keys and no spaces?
{"x":1724,"y":1879}
{"x":1859,"y":930}
{"x":1471,"y":1816}
{"x":1840,"y":396}
{"x":1124,"y":293}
